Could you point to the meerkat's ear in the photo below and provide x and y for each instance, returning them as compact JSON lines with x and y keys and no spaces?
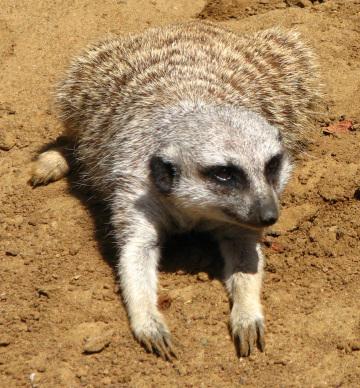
{"x":164,"y":174}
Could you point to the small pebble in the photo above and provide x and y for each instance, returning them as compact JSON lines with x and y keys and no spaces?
{"x":202,"y":276}
{"x":32,"y":221}
{"x":181,"y":369}
{"x":204,"y":341}
{"x":344,"y":346}
{"x":357,"y":194}
{"x":7,"y":140}
{"x":95,"y":344}
{"x":277,"y":247}
{"x":74,"y":250}
{"x":280,"y":362}
{"x":40,"y":362}
{"x":5,"y":341}
{"x":11,"y":252}
{"x":32,"y":379}
{"x":269,"y":267}
{"x":43,"y":292}
{"x":355,"y":345}
{"x":356,"y":127}
{"x":164,"y":301}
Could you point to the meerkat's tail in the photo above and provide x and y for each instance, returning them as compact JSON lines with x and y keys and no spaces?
{"x":50,"y":166}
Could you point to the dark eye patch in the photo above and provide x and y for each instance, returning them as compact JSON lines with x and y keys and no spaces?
{"x":227,"y":176}
{"x":272,"y":167}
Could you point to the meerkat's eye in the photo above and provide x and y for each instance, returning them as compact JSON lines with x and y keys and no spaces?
{"x":223,"y":174}
{"x":272,"y":167}
{"x":227,"y":175}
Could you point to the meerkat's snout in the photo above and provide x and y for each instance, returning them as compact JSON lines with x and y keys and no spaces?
{"x":268,"y":212}
{"x":263,"y":211}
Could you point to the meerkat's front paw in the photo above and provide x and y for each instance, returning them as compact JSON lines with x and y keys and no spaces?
{"x":154,"y":335}
{"x":247,"y":333}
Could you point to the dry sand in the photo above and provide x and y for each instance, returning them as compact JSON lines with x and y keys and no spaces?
{"x":58,"y":293}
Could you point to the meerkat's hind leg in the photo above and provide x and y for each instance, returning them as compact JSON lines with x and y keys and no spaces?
{"x":49,"y":166}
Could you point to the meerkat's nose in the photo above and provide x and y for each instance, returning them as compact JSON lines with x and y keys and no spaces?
{"x":268,"y":213}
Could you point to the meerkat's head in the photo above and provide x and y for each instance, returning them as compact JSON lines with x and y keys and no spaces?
{"x":223,"y":164}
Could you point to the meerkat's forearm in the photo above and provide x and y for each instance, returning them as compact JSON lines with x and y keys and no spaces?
{"x":139,"y":256}
{"x":243,"y":273}
{"x":138,"y":277}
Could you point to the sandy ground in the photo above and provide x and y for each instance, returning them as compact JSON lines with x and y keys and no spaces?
{"x":58,"y":293}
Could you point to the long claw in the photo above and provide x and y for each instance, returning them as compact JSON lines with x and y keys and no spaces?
{"x":244,"y":344}
{"x":161,"y":346}
{"x":252,"y":339}
{"x":247,"y":336}
{"x":147,"y":345}
{"x":162,"y":349}
{"x":260,"y":337}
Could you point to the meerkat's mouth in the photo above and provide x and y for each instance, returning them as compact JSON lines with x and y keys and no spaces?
{"x":233,"y":218}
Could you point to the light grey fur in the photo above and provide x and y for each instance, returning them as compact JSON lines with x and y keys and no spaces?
{"x":118,"y":126}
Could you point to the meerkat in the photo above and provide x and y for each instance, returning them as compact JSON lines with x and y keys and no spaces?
{"x":188,"y":127}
